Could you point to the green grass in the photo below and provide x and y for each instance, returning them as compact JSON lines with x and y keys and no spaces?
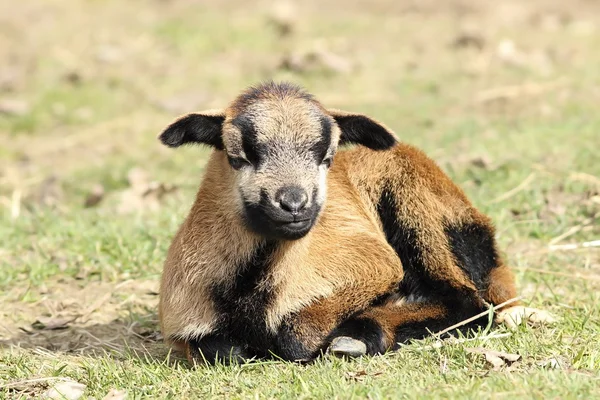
{"x":59,"y":259}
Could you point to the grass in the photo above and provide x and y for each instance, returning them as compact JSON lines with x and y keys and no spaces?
{"x":526,"y":158}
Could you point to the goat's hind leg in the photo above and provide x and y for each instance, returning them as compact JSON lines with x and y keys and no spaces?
{"x":383,"y":328}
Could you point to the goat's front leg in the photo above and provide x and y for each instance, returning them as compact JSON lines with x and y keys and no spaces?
{"x":304,"y":335}
{"x":214,"y":348}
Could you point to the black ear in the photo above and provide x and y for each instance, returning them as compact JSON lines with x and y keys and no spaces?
{"x":360,"y":129}
{"x":203,"y":128}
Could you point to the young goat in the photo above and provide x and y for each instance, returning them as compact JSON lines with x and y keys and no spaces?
{"x":292,"y":247}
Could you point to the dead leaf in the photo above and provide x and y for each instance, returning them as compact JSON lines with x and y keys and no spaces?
{"x":83,"y":113}
{"x":51,"y":323}
{"x":516,"y":315}
{"x":497,"y":359}
{"x":69,"y":390}
{"x":95,"y":196}
{"x":115,"y":394}
{"x":143,"y":193}
{"x":49,"y":193}
{"x":283,"y":17}
{"x":483,"y":162}
{"x":317,"y":58}
{"x":73,"y":77}
{"x":10,"y":78}
{"x":14,"y":107}
{"x":151,"y":335}
{"x":469,"y":40}
{"x":109,"y":54}
{"x":361,"y":375}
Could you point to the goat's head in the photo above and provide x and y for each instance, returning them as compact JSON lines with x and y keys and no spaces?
{"x":280,"y":143}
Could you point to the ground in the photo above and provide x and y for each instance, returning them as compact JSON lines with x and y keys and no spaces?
{"x":503,"y":95}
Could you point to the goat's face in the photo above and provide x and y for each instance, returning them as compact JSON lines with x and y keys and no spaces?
{"x":280,"y":143}
{"x":280,"y":150}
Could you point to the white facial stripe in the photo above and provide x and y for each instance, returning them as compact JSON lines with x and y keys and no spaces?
{"x":322,"y":185}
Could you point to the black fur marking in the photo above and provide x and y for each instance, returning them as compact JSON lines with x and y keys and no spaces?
{"x":194,"y":128}
{"x":403,"y":240}
{"x":287,"y":344}
{"x":242,"y":305}
{"x":249,"y":142}
{"x":417,"y":282}
{"x":362,"y":130}
{"x":320,"y":148}
{"x":216,"y":348}
{"x":455,"y":312}
{"x":474,"y":248}
{"x":366,"y":330}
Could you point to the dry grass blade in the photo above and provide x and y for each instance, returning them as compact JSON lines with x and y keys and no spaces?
{"x":475,"y":317}
{"x":15,"y":209}
{"x":514,"y":91}
{"x":583,"y":177}
{"x":452,"y":341}
{"x":574,"y":229}
{"x":515,"y":190}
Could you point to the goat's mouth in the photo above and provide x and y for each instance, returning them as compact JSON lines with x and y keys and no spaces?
{"x":298,"y":226}
{"x":298,"y":223}
{"x":272,"y":224}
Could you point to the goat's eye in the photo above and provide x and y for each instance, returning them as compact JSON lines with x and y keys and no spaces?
{"x":327,"y":161}
{"x":237,"y":162}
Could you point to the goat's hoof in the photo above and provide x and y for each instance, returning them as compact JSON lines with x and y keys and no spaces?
{"x":344,"y":346}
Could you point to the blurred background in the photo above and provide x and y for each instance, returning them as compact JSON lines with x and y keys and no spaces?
{"x":85,"y":86}
{"x":503,"y":95}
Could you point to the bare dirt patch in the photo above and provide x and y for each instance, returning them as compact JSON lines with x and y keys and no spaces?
{"x":73,"y":316}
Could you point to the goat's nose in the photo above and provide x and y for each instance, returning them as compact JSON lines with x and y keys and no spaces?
{"x":292,"y":199}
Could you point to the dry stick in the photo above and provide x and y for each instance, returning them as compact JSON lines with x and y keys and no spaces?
{"x":515,"y":190}
{"x":570,"y":232}
{"x":574,"y":246}
{"x":28,"y":381}
{"x":15,"y":209}
{"x":438,"y":344}
{"x":473,"y":318}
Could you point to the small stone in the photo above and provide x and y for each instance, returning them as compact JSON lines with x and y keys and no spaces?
{"x":69,"y":390}
{"x":14,"y":107}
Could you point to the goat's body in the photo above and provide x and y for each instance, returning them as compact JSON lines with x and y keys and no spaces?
{"x":397,"y":251}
